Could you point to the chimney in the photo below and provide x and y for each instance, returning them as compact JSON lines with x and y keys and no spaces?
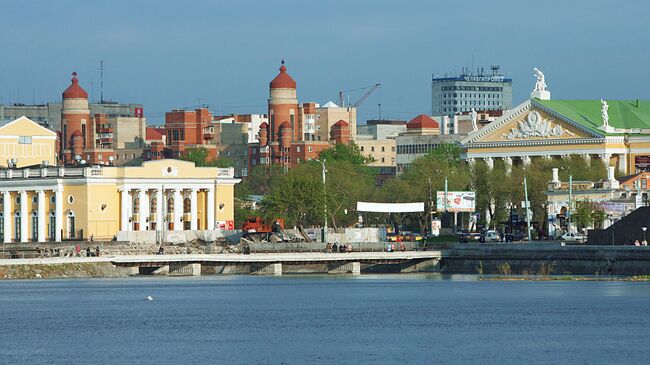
{"x":613,"y":183}
{"x":556,"y":176}
{"x":445,"y":125}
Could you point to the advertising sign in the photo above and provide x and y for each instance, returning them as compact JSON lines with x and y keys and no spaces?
{"x":435,"y":226}
{"x":457,"y":201}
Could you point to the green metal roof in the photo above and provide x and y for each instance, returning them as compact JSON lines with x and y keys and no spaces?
{"x":624,"y":114}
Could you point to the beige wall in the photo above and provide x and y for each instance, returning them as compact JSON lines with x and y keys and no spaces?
{"x":42,"y":146}
{"x":128,"y":132}
{"x":327,"y":117}
{"x":379,"y":149}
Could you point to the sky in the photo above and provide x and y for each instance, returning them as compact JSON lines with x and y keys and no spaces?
{"x":179,"y":54}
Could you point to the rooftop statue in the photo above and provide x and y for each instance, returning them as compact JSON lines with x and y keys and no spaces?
{"x":540,"y":84}
{"x":604,"y":112}
{"x":474,"y":115}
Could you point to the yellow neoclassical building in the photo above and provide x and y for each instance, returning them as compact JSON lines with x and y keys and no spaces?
{"x":49,"y":203}
{"x":25,"y":143}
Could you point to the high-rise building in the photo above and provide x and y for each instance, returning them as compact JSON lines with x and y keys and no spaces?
{"x":480,"y":91}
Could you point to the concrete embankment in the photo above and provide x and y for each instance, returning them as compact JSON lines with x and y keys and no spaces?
{"x":62,"y":270}
{"x":545,"y":259}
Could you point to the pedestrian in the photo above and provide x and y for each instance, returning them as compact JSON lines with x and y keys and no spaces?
{"x":88,"y":251}
{"x":77,"y":250}
{"x":402,"y":247}
{"x":97,"y":251}
{"x":644,"y":243}
{"x":636,"y":243}
{"x":334,"y":248}
{"x":349,"y":247}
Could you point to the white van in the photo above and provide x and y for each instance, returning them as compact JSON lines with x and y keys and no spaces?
{"x":492,"y":236}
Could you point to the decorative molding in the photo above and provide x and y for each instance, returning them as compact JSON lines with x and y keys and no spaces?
{"x":536,"y":126}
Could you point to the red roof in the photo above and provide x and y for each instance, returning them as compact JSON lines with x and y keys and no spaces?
{"x":285,"y":125}
{"x":264,"y":125}
{"x":75,"y":91}
{"x":155,"y":134}
{"x":341,"y":123}
{"x":422,"y":121}
{"x":76,"y":134}
{"x":283,"y":80}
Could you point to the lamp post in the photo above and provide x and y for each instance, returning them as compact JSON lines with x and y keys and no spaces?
{"x":324,"y":201}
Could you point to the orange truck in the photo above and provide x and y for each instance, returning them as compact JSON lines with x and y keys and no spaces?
{"x":258,"y":225}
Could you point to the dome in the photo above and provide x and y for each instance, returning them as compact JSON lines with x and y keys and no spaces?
{"x":341,"y":123}
{"x":75,"y":91}
{"x":283,"y":80}
{"x":422,"y":121}
{"x":264,"y":125}
{"x":76,"y":134}
{"x":285,"y":125}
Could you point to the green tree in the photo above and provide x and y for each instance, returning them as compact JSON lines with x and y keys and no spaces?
{"x":199,"y":155}
{"x":345,"y":152}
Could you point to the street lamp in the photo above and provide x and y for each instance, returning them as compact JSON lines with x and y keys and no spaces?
{"x":324,"y":201}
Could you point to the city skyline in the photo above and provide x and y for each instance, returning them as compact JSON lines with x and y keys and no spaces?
{"x":177,"y":56}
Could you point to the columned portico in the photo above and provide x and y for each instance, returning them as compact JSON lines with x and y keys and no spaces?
{"x":58,"y":214}
{"x":143,"y":209}
{"x":6,"y":214}
{"x":24,"y":218}
{"x":41,"y":216}
{"x":159,"y":209}
{"x":193,"y":210}
{"x":210,"y":209}
{"x":178,"y":210}
{"x":125,"y":209}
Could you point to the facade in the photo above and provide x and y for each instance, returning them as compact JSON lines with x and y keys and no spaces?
{"x":26,"y":143}
{"x":251,"y":121}
{"x":451,"y":95}
{"x":423,"y":134}
{"x":383,"y":151}
{"x":616,"y":201}
{"x":189,"y":129}
{"x":297,"y":133}
{"x":49,"y":115}
{"x":381,"y":129}
{"x":59,"y":203}
{"x":615,"y":131}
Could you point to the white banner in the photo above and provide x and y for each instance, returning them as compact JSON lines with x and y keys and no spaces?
{"x":390,"y":207}
{"x":457,"y":201}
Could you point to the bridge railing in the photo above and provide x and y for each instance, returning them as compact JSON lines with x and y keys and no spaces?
{"x":290,"y":247}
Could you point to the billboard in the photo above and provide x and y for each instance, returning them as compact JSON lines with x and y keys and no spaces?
{"x":390,"y":207}
{"x":457,"y":201}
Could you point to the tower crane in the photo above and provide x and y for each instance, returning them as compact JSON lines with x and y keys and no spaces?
{"x":371,"y":89}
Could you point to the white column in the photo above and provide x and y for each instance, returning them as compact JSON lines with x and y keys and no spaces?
{"x":41,"y":216}
{"x":193,"y":210}
{"x":490,"y":162}
{"x":159,"y":209}
{"x":6,"y":213}
{"x":58,"y":214}
{"x":622,"y":163}
{"x":24,"y":218}
{"x":178,"y":210}
{"x":124,"y":211}
{"x":144,"y":210}
{"x":210,"y":209}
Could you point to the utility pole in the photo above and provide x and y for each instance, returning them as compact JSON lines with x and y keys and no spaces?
{"x":430,"y":208}
{"x":324,"y":203}
{"x":570,"y":201}
{"x":526,"y":204}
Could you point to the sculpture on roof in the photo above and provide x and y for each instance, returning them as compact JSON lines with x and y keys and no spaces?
{"x":604,"y":112}
{"x":474,"y":115}
{"x":536,"y":126}
{"x":540,"y":84}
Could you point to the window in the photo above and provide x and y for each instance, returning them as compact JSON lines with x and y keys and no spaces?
{"x":310,"y":149}
{"x":361,"y":148}
{"x":383,"y":149}
{"x":298,"y":149}
{"x":99,"y":157}
{"x":644,"y":184}
{"x":372,"y":149}
{"x":25,"y":140}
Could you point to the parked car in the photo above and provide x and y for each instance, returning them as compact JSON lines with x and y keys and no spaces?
{"x":492,"y":236}
{"x":573,"y":237}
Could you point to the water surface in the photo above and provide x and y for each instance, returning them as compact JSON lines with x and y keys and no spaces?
{"x":323,"y":319}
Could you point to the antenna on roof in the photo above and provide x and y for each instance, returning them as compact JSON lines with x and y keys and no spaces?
{"x":282,"y":62}
{"x":101,"y":81}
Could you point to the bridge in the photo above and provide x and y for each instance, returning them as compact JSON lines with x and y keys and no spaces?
{"x":260,"y":263}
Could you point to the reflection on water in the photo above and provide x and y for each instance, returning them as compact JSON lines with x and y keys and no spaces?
{"x":419,"y":318}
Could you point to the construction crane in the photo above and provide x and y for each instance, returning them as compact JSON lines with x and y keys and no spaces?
{"x":371,"y":89}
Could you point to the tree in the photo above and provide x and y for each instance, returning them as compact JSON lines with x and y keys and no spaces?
{"x":345,"y":152}
{"x":199,"y":155}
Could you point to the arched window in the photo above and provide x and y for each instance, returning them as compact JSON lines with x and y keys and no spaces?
{"x":136,"y":205}
{"x":153,"y":206}
{"x":187,"y":205}
{"x":170,"y":205}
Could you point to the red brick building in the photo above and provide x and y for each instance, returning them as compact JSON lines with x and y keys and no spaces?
{"x":282,"y":141}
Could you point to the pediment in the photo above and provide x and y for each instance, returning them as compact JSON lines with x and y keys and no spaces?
{"x":528,"y":123}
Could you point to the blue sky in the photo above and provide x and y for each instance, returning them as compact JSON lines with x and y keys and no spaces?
{"x":173,"y":54}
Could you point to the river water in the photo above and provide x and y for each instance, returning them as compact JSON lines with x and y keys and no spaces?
{"x":419,"y":319}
